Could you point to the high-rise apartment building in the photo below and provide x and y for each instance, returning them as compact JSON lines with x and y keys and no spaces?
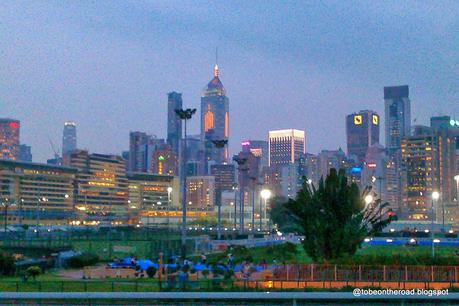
{"x":362,"y":131}
{"x":285,"y":146}
{"x":215,"y":119}
{"x":174,"y":124}
{"x":69,"y":138}
{"x":9,"y":138}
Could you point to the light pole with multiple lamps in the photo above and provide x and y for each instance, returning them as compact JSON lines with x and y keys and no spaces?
{"x":266,"y":194}
{"x":185,"y":115}
{"x":435,"y":197}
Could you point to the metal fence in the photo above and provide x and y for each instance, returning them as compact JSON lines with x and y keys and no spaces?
{"x":386,"y":273}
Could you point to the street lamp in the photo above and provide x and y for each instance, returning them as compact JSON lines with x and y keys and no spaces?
{"x":265,"y":194}
{"x":169,"y":192}
{"x":219,"y":144}
{"x":185,"y":115}
{"x":435,"y":197}
{"x":241,"y":161}
{"x":5,"y":203}
{"x":235,"y":188}
{"x":368,"y":199}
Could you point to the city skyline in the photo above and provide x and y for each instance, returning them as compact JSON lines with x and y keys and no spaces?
{"x":111,"y":79}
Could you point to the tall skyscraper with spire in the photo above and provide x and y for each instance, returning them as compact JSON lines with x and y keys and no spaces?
{"x":215,"y":119}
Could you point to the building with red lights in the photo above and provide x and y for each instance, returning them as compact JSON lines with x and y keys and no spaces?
{"x":9,"y":138}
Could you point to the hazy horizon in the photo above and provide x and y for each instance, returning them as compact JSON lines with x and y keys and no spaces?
{"x":108,"y":66}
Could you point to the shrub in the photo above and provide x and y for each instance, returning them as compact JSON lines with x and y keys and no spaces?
{"x":85,"y":259}
{"x":205,"y":273}
{"x":151,"y":271}
{"x":33,"y":271}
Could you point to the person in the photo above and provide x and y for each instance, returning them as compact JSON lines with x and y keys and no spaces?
{"x":263,"y":264}
{"x":203,"y":258}
{"x":230,"y":259}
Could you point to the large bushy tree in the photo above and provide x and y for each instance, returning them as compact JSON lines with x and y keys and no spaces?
{"x":334,"y":217}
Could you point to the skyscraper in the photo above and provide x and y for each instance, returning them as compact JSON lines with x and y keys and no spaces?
{"x":9,"y":139}
{"x":174,"y":124}
{"x":25,"y":153}
{"x":285,"y":146}
{"x":215,"y":119}
{"x":398,"y":116}
{"x":258,"y":148}
{"x":69,"y":138}
{"x":362,"y":131}
{"x":141,"y":148}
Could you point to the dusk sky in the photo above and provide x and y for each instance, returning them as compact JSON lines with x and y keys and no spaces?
{"x":108,"y":65}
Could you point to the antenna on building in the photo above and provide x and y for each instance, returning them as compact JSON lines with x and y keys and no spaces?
{"x":216,"y":62}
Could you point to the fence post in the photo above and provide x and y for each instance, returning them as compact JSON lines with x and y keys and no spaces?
{"x":312,"y":272}
{"x":455,"y":274}
{"x":384,"y":273}
{"x":336,"y":274}
{"x":432,"y":273}
{"x":406,"y":273}
{"x":17,"y":286}
{"x":360,"y":273}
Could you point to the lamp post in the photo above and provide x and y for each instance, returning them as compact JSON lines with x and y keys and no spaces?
{"x":38,"y":212}
{"x":254,"y":184}
{"x":219,"y":144}
{"x":266,"y":194}
{"x":368,"y":199}
{"x":241,"y":161}
{"x":185,"y":115}
{"x":235,"y":188}
{"x":435,"y":197}
{"x":169,"y":192}
{"x":456,"y":178}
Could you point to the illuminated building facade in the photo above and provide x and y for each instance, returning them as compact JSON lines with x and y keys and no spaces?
{"x":152,"y":198}
{"x":69,"y":138}
{"x":362,"y":131}
{"x":259,"y":148}
{"x":285,"y":146}
{"x":200,"y":192}
{"x":164,"y":161}
{"x":101,"y":186}
{"x":9,"y":138}
{"x":37,"y":193}
{"x":421,"y":177}
{"x":174,"y":124}
{"x":215,"y":119}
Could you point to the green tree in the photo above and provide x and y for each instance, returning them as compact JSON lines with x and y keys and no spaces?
{"x":334,"y":217}
{"x":280,"y":215}
{"x":33,"y":271}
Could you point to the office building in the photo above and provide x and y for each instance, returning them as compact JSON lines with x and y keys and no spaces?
{"x":141,"y":148}
{"x":37,"y":193}
{"x":397,"y":116}
{"x":362,"y":131}
{"x":285,"y":146}
{"x":215,"y":119}
{"x":200,"y":193}
{"x":153,"y":198}
{"x":328,"y":159}
{"x":25,"y":153}
{"x":174,"y":123}
{"x":69,"y":138}
{"x":164,"y":161}
{"x":9,"y":138}
{"x":259,"y":148}
{"x":101,"y":187}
